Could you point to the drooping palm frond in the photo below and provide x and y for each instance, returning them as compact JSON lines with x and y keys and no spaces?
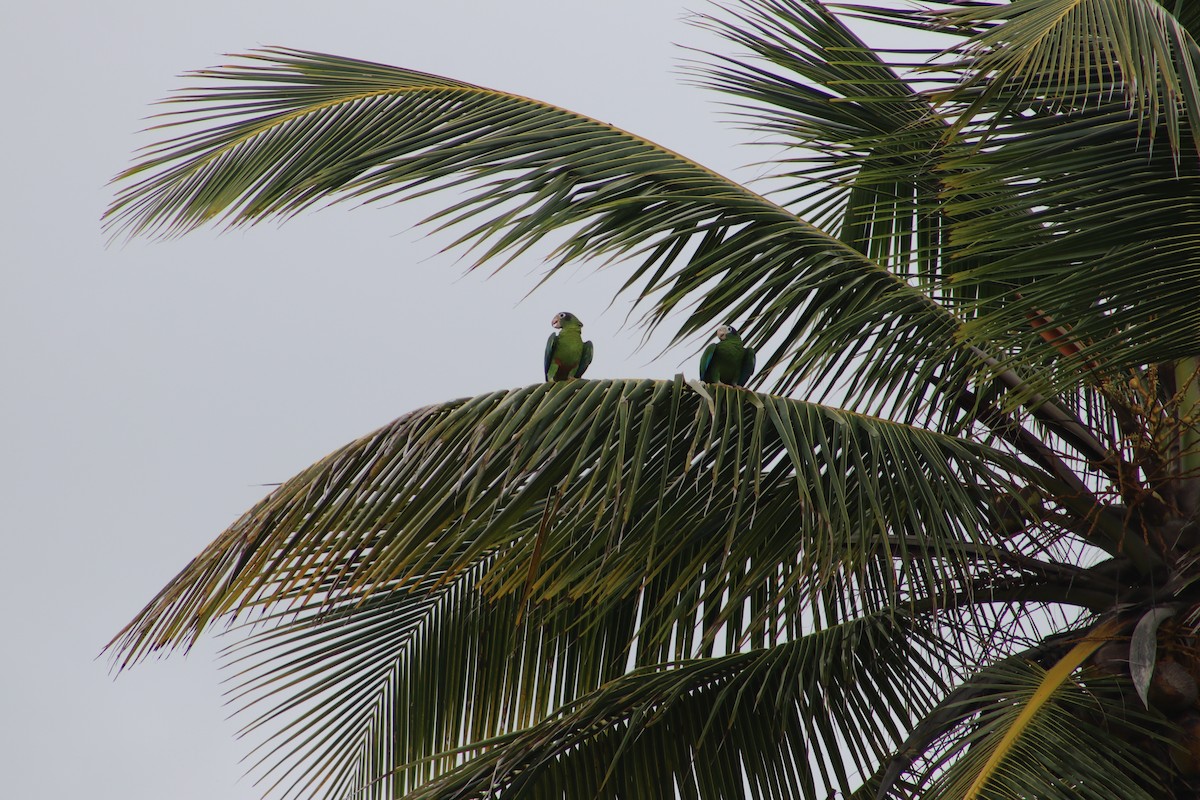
{"x":390,"y":686}
{"x":1058,"y":182}
{"x":557,"y":534}
{"x":603,"y":486}
{"x":1090,"y":230}
{"x":797,"y":720}
{"x":1003,"y":217}
{"x":368,"y":694}
{"x":386,"y":683}
{"x":1064,"y":52}
{"x":862,"y":142}
{"x":812,"y":82}
{"x":999,"y":235}
{"x":1050,"y":733}
{"x":293,"y":128}
{"x":306,"y":127}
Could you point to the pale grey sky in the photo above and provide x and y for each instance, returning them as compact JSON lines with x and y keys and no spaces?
{"x":150,"y":388}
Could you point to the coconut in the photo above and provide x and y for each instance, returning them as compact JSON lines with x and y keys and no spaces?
{"x":1186,"y":757}
{"x":1112,"y":657}
{"x":1172,"y":688}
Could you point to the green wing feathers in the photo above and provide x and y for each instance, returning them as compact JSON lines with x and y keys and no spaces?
{"x":747,"y":366}
{"x":549,"y":359}
{"x":585,"y":359}
{"x":706,"y":363}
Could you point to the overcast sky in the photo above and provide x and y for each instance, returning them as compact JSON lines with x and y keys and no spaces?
{"x":151,"y":388}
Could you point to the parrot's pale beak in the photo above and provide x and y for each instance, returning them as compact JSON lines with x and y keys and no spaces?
{"x":557,"y":321}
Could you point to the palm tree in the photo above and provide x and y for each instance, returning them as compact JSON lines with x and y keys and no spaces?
{"x":948,"y":545}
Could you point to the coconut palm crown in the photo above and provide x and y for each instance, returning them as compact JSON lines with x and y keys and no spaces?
{"x":948,"y":548}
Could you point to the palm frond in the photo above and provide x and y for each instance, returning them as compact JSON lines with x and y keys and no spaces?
{"x":1020,"y":201}
{"x":797,"y":720}
{"x":597,"y":489}
{"x":1060,"y":52}
{"x":1089,"y":229}
{"x":296,"y":128}
{"x":1039,"y":726}
{"x":376,"y":694}
{"x":361,"y":695}
{"x":863,"y":144}
{"x":509,"y":553}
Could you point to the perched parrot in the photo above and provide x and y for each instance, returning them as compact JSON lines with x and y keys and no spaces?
{"x":567,"y":354}
{"x":727,"y":360}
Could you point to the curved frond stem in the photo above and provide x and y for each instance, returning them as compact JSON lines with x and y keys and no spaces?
{"x":1054,"y":677}
{"x":952,"y":707}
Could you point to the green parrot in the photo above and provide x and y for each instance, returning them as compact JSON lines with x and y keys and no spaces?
{"x":567,"y":354}
{"x":727,"y":360}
